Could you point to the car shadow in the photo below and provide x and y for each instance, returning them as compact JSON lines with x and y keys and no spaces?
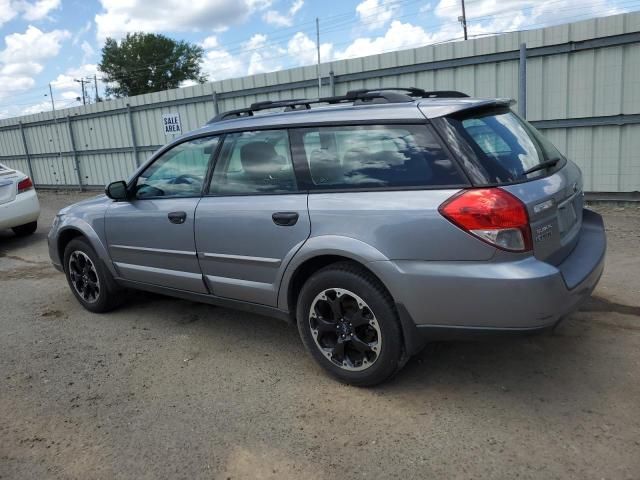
{"x":9,"y":241}
{"x":524,"y":370}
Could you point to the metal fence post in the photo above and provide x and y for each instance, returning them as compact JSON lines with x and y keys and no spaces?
{"x":332,"y":83}
{"x":26,"y":152}
{"x":522,"y":81}
{"x":74,"y":153}
{"x":216,"y":110}
{"x":134,"y":144}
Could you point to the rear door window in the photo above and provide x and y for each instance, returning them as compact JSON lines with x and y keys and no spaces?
{"x":255,"y":162}
{"x":375,"y":156}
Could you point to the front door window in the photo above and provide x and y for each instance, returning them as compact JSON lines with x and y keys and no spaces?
{"x":179,"y":172}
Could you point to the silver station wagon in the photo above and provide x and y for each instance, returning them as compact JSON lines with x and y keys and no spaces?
{"x":376,"y":221}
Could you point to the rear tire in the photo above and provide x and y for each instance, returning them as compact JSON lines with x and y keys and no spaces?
{"x":88,"y":278}
{"x":26,"y":229}
{"x":348,"y":322}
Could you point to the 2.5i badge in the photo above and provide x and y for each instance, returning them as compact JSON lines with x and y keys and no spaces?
{"x":544,"y":232}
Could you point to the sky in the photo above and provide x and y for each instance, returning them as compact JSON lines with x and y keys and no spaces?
{"x":54,"y":42}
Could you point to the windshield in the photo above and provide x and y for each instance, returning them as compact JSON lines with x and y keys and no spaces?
{"x":501,"y":146}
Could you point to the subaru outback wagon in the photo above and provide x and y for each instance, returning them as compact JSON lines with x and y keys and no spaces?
{"x":376,"y":221}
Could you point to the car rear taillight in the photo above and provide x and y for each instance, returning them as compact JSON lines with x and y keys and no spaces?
{"x":491,"y":214}
{"x":25,"y":185}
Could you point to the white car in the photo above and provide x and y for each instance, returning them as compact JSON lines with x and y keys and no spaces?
{"x":19,"y":206}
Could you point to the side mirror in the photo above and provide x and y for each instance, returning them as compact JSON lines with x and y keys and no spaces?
{"x":117,"y":190}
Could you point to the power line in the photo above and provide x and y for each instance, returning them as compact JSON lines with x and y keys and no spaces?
{"x":272,"y":43}
{"x":339,"y":22}
{"x":508,"y":13}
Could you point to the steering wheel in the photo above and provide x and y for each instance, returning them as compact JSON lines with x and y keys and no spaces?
{"x":144,"y":190}
{"x":186,"y":178}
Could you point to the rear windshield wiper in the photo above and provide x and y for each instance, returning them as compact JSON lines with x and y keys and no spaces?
{"x":541,"y":166}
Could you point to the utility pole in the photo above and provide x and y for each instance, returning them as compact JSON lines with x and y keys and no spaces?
{"x":95,"y":82}
{"x":463,"y":20}
{"x":55,"y":121}
{"x":82,"y":81}
{"x":318,"y":65}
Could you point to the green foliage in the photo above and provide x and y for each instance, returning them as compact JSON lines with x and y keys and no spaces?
{"x":146,"y":62}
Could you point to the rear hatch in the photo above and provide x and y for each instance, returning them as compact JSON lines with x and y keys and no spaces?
{"x":498,"y":148}
{"x":7,"y":184}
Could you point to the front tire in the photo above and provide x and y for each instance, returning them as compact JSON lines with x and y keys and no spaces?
{"x":89,"y":280}
{"x":26,"y":229}
{"x":348,"y":322}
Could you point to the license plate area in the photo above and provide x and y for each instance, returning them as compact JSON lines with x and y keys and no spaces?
{"x":567,"y":215}
{"x":6,"y":190}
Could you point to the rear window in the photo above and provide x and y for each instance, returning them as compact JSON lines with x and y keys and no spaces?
{"x":370,"y":156}
{"x":501,"y":147}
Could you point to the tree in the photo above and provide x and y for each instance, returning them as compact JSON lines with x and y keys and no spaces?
{"x":146,"y":62}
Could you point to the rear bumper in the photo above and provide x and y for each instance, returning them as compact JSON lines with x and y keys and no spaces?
{"x":457,"y":299}
{"x":23,"y":209}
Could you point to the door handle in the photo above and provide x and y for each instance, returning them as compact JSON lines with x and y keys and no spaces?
{"x":177,"y":217}
{"x":285,"y":219}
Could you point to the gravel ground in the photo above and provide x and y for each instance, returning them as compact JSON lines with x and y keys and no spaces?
{"x":164,"y":388}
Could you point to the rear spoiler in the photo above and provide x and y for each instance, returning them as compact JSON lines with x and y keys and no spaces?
{"x":434,"y":109}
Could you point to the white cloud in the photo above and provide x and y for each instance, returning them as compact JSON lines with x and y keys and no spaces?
{"x":121,"y":16}
{"x":257,"y":41}
{"x":296,"y":6}
{"x":30,"y":11}
{"x":302,"y":50}
{"x":24,"y":55}
{"x":33,"y":44}
{"x":209,"y":42}
{"x":261,"y":63}
{"x":263,"y":57}
{"x":39,"y":9}
{"x":23,"y":68}
{"x":11,"y":84}
{"x":8,"y":11}
{"x":427,"y":7}
{"x":490,"y":16}
{"x":44,"y":106}
{"x":87,"y":51}
{"x":66,"y":81}
{"x":188,"y":83}
{"x":65,"y":87}
{"x":273,"y":17}
{"x":398,"y":36}
{"x":375,"y":14}
{"x":68,"y":95}
{"x":256,"y":55}
{"x":219,"y":64}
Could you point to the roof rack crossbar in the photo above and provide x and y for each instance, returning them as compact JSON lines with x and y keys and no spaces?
{"x":357,"y":97}
{"x":413,"y":92}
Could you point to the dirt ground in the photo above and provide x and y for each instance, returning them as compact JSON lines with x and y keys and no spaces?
{"x":164,"y":388}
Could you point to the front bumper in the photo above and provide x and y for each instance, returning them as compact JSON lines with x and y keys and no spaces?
{"x":471,"y":298}
{"x":52,"y":243}
{"x":24,"y":209}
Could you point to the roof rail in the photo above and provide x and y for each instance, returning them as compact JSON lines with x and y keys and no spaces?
{"x":357,"y":97}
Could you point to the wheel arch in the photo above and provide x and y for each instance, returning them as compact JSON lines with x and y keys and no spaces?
{"x":64,"y":237}
{"x":316,"y":253}
{"x":81,"y":229}
{"x":320,"y":252}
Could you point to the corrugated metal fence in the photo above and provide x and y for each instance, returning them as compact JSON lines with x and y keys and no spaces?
{"x":583,"y":90}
